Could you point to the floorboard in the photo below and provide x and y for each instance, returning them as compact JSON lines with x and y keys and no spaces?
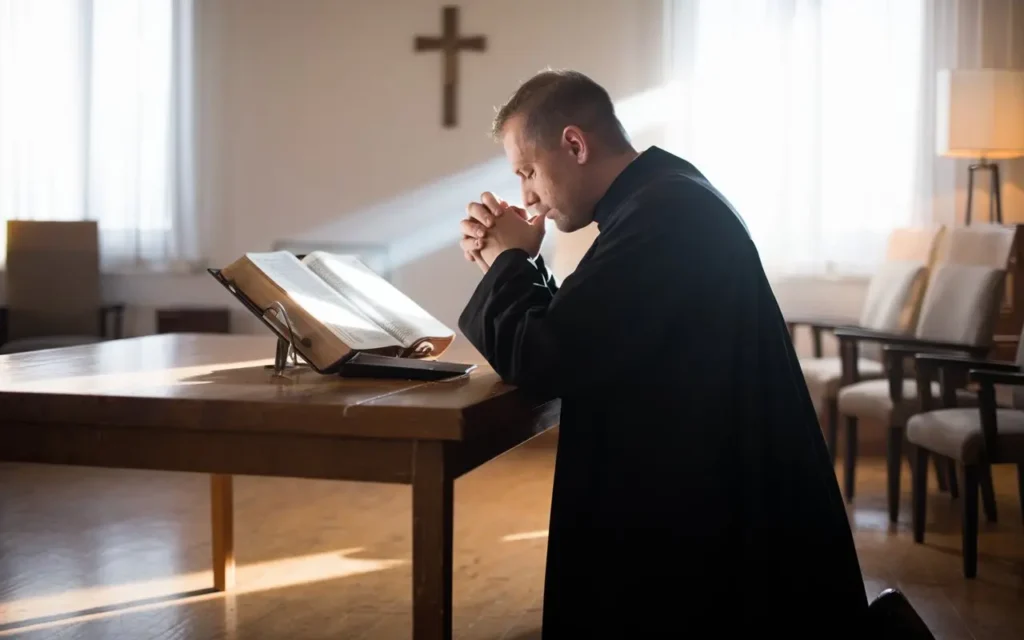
{"x":92,"y":553}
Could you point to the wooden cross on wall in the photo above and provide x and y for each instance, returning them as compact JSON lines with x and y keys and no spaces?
{"x":450,"y":43}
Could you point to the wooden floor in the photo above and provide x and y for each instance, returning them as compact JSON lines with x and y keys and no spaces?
{"x":100,"y":553}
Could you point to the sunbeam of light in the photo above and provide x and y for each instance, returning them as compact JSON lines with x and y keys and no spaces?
{"x":525,"y":535}
{"x":127,"y":381}
{"x":41,"y":612}
{"x":427,"y":217}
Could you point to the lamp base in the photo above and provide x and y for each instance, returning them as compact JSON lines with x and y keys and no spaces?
{"x":995,"y":204}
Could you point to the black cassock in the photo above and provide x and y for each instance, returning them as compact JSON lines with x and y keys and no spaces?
{"x":692,"y":482}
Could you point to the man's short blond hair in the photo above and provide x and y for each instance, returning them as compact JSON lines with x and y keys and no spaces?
{"x":555,"y":99}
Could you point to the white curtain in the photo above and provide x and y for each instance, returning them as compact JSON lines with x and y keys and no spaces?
{"x":96,"y":123}
{"x":807,"y":115}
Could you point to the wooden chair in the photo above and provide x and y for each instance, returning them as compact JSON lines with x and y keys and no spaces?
{"x":892,"y":305}
{"x":960,"y":317}
{"x":53,"y":287}
{"x":974,"y":437}
{"x":957,"y":315}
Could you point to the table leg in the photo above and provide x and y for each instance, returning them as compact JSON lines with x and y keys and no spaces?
{"x":431,"y":543}
{"x":222,"y":512}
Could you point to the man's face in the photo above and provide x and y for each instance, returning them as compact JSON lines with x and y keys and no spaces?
{"x":551,"y":177}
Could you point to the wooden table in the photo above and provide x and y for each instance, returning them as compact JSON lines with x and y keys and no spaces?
{"x":208,"y":404}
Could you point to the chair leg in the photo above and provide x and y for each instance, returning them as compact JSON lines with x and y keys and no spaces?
{"x":988,"y":492}
{"x":970,"y":520}
{"x":894,"y":463}
{"x":919,"y":491}
{"x":1020,"y":487}
{"x":851,"y":458}
{"x":940,"y":474}
{"x":832,"y":427}
{"x":954,"y":485}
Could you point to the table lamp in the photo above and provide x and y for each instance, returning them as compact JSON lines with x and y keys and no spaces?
{"x":981,"y":116}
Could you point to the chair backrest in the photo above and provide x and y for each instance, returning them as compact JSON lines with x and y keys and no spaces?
{"x":978,"y":244}
{"x":894,"y":296}
{"x":53,"y":278}
{"x":961,"y":304}
{"x":916,"y":244}
{"x":893,"y":300}
{"x":897,"y":288}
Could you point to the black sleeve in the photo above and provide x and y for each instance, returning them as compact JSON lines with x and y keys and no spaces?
{"x":613,"y":316}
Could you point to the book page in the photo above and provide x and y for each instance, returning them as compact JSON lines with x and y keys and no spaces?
{"x":376,"y":297}
{"x":339,"y":315}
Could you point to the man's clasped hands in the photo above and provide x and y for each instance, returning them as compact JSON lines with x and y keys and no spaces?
{"x":493,"y":226}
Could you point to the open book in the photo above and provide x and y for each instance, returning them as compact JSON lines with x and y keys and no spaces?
{"x":336,"y":305}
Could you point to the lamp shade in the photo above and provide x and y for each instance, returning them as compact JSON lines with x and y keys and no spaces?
{"x":980,"y":113}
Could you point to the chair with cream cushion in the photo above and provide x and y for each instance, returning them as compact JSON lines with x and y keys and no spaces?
{"x":957,"y":316}
{"x":891,"y":305}
{"x":974,"y":437}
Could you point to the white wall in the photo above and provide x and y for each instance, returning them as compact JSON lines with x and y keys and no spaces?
{"x":318,"y":122}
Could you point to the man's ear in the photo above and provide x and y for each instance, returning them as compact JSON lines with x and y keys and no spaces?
{"x":575,"y":143}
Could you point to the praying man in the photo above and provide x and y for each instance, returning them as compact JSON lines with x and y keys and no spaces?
{"x":693,"y":489}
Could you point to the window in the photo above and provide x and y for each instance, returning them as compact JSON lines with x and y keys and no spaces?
{"x":807,"y":115}
{"x":95,"y":122}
